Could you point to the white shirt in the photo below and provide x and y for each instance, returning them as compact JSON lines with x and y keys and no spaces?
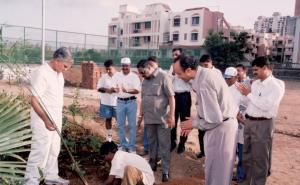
{"x":107,"y":81}
{"x":265,"y":97}
{"x":129,"y":81}
{"x":179,"y":85}
{"x":217,"y":71}
{"x":122,"y":159}
{"x":237,"y":96}
{"x":48,"y":85}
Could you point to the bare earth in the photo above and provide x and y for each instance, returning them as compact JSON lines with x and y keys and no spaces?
{"x":186,"y":169}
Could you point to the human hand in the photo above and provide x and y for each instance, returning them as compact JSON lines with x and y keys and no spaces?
{"x":244,"y":90}
{"x":186,"y":127}
{"x":49,"y":126}
{"x":171,"y":121}
{"x":140,"y":120}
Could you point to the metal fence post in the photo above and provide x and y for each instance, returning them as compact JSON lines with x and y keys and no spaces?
{"x":24,"y":36}
{"x":56,"y":32}
{"x":85,"y":41}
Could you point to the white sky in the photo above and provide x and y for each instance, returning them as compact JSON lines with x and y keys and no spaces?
{"x":92,"y":16}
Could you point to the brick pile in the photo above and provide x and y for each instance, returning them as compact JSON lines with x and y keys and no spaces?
{"x":90,"y":74}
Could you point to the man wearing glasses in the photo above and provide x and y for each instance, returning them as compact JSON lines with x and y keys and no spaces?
{"x":157,"y":113}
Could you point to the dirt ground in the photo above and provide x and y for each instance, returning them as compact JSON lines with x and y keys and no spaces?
{"x":186,"y":169}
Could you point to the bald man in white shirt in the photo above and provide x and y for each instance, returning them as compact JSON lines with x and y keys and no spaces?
{"x":264,"y":99}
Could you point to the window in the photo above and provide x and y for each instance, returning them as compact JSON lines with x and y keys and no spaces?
{"x":176,"y":22}
{"x":121,"y":44}
{"x":185,"y":36}
{"x":194,"y":37}
{"x":147,"y":39}
{"x":186,"y":20}
{"x":114,"y":28}
{"x":112,"y":41}
{"x":148,"y":25}
{"x":136,"y":41}
{"x":175,"y":37}
{"x":195,"y":21}
{"x":137,"y":26}
{"x":121,"y":32}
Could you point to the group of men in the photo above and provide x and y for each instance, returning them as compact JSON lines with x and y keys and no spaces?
{"x":234,"y":115}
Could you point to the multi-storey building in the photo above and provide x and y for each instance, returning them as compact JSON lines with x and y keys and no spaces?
{"x":279,"y":48}
{"x":191,"y":27}
{"x":135,"y":30}
{"x":297,"y":8}
{"x":296,"y":53}
{"x":156,"y":26}
{"x":274,"y":24}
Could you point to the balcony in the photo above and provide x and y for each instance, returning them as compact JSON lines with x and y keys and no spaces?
{"x":288,"y":52}
{"x":136,"y":31}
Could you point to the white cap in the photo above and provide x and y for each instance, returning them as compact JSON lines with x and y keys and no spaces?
{"x":230,"y":72}
{"x":125,"y":61}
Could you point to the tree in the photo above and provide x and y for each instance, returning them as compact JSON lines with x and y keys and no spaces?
{"x":224,"y":51}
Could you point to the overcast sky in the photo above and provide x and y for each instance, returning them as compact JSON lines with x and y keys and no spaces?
{"x":92,"y":16}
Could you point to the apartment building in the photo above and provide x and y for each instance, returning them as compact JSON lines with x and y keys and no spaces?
{"x":297,"y":8}
{"x":296,"y":53}
{"x":157,"y":26}
{"x":139,"y":30}
{"x":275,"y":24}
{"x":191,"y":27}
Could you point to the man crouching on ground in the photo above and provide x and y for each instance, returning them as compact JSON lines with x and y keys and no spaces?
{"x":126,"y":168}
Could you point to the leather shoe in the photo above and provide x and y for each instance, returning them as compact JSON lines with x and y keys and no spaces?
{"x":165,"y":178}
{"x":173,"y":146}
{"x":180,"y":149}
{"x":154,"y":168}
{"x":200,"y":155}
{"x":143,"y":153}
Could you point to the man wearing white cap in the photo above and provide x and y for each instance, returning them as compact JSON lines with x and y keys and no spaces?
{"x":128,"y":85}
{"x":231,"y":77}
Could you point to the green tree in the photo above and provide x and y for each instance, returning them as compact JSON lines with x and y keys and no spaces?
{"x":224,"y":51}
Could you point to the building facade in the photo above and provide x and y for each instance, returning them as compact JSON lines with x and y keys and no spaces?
{"x":296,"y":53}
{"x":191,"y":27}
{"x":156,"y":26}
{"x":275,"y":24}
{"x":139,"y":30}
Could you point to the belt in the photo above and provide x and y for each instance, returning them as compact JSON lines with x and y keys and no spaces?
{"x":256,"y":118}
{"x":183,"y":92}
{"x":126,"y":99}
{"x":223,"y":119}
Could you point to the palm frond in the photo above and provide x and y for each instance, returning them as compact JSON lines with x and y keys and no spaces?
{"x":15,"y":137}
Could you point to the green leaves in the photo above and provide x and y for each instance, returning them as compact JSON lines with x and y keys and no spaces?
{"x":15,"y":138}
{"x":224,"y":51}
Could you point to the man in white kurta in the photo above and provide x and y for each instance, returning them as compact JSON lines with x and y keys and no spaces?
{"x":47,"y":85}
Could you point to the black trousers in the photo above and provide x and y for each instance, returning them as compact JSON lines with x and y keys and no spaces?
{"x":183,"y":103}
{"x":201,"y":134}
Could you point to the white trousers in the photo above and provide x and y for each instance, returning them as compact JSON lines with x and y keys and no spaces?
{"x":45,"y":148}
{"x":220,"y":150}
